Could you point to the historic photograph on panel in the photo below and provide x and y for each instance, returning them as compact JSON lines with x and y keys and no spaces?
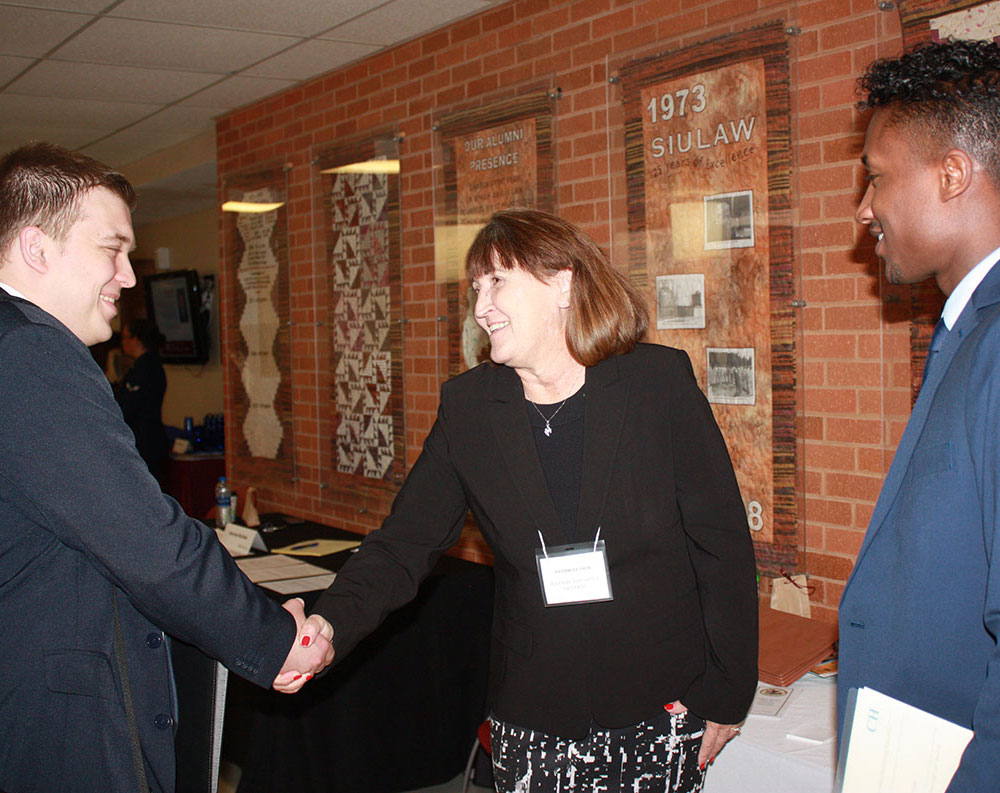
{"x":729,"y":220}
{"x":680,"y":301}
{"x":731,"y":375}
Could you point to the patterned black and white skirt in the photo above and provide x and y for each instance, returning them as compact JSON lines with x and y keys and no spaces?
{"x":660,"y":755}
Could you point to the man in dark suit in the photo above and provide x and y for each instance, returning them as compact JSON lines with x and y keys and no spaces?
{"x":920,"y":615}
{"x":95,"y":563}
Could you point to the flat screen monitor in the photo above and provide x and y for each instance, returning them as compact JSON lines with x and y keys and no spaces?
{"x":173,"y":301}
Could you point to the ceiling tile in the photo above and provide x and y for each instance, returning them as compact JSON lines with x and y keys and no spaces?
{"x":134,"y":143}
{"x":14,"y":135}
{"x":237,"y":91}
{"x":192,"y":118}
{"x":155,"y":44}
{"x":82,"y":113}
{"x":11,"y":66}
{"x":308,"y":16}
{"x":28,"y":31}
{"x":65,"y":79}
{"x":310,"y":59}
{"x":80,"y":6}
{"x":403,"y":19}
{"x":180,"y":193}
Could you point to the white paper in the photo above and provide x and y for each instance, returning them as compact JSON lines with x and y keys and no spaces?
{"x":770,"y":700}
{"x":236,"y":544}
{"x":291,"y":586}
{"x":574,"y":578}
{"x":811,"y":733}
{"x":274,"y":568}
{"x":893,"y":747}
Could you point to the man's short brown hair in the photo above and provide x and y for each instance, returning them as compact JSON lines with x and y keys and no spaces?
{"x":41,"y":185}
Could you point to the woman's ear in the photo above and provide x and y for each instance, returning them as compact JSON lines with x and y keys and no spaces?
{"x":564,"y":279}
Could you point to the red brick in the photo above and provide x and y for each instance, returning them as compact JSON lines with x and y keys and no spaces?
{"x":853,"y":351}
{"x":846,"y":34}
{"x":852,"y":430}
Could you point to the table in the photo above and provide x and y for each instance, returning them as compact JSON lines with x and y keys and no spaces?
{"x":191,"y":478}
{"x":400,"y":712}
{"x":762,"y":759}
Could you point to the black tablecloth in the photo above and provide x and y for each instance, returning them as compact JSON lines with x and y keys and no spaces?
{"x":400,"y":712}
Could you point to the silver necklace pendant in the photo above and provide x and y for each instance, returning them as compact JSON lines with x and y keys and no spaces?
{"x":548,"y":426}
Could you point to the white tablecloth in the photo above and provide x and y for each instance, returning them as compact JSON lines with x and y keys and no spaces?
{"x":763,"y":759}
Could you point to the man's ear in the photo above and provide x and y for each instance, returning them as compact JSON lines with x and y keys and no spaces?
{"x":956,"y":173}
{"x":31,"y":242}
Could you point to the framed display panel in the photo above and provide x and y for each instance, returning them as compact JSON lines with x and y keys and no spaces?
{"x":708,"y":169}
{"x":258,"y":360}
{"x":493,"y":157}
{"x":359,"y":184}
{"x":922,"y":22}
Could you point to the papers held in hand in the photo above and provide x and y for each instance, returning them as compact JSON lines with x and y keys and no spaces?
{"x":890,"y":746}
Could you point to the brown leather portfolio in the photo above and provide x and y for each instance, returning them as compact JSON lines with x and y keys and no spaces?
{"x":791,"y":645}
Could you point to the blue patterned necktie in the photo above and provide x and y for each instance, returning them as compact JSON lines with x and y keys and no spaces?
{"x":940,"y":331}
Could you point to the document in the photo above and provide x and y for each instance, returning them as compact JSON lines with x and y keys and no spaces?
{"x":293,"y":586}
{"x":769,"y":701}
{"x":891,"y":746}
{"x":274,"y":568}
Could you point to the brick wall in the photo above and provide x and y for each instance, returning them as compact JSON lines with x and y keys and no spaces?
{"x":854,"y":365}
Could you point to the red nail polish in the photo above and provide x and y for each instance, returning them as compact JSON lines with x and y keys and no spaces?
{"x":308,"y":678}
{"x":711,"y":759}
{"x":305,"y":641}
{"x":701,"y":766}
{"x":669,"y":706}
{"x":296,"y":677}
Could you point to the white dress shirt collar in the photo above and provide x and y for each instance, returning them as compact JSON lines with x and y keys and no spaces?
{"x":959,"y":297}
{"x":11,"y":291}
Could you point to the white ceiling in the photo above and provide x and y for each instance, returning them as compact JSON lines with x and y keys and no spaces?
{"x":122,"y":79}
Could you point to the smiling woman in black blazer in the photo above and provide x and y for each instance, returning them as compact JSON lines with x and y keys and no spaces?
{"x":625,"y":628}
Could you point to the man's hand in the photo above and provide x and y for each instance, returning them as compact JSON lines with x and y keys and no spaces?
{"x":311,"y":652}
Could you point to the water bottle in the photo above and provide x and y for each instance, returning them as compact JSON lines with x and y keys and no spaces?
{"x":223,"y":503}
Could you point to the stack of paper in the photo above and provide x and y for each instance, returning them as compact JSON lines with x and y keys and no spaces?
{"x":790,"y":645}
{"x":892,"y":746}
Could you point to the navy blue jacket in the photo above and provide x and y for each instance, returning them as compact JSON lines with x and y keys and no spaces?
{"x":81,"y":518}
{"x":920,"y":615}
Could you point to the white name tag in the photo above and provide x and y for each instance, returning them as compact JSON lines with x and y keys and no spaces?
{"x":574,"y":574}
{"x":240,"y":540}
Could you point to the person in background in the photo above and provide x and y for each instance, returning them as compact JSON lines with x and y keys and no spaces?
{"x":140,"y":393}
{"x":920,"y":614}
{"x":96,"y":564}
{"x":624,"y":646}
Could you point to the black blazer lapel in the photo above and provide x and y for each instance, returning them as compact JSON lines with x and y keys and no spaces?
{"x":607,"y":402}
{"x":512,"y":431}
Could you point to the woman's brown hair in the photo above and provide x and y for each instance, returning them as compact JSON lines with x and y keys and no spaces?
{"x":607,"y":315}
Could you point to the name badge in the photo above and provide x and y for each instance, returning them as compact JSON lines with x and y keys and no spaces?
{"x":574,"y":573}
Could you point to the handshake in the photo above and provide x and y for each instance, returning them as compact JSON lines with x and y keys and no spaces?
{"x":312,"y":650}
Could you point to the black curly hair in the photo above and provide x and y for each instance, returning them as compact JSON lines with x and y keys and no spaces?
{"x":950,"y":92}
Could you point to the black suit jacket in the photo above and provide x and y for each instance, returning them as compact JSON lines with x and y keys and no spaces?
{"x":658,"y":481}
{"x":82,"y":521}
